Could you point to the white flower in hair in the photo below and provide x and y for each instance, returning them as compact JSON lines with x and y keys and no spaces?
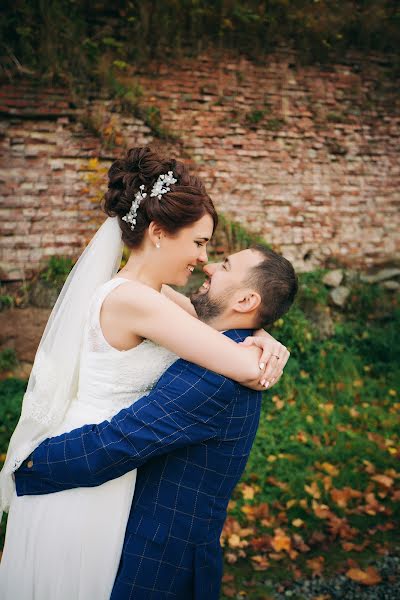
{"x":130,"y":216}
{"x":162,"y":184}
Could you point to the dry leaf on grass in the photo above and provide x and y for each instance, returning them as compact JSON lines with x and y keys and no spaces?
{"x":368,"y":577}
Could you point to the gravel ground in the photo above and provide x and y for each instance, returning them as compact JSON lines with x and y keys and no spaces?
{"x":341,"y":587}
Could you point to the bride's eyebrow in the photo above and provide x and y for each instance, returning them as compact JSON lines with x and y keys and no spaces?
{"x":204,"y":239}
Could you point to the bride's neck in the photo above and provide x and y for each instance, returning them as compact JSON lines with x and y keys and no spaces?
{"x":140,"y":267}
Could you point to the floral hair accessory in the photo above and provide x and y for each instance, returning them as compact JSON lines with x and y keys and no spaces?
{"x":162,"y":184}
{"x":130,"y":217}
{"x":160,"y":187}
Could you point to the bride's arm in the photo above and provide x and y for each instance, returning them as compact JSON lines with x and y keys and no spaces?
{"x":151,"y":315}
{"x":273,"y":370}
{"x":179,"y":299}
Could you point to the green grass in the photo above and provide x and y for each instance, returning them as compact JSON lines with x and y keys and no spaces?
{"x":336,"y":408}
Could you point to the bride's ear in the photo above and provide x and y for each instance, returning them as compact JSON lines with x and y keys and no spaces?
{"x":155,"y":233}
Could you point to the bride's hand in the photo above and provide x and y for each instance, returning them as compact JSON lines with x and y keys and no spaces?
{"x":273,"y":358}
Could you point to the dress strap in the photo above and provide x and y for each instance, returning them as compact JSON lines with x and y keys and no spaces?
{"x":94,"y":333}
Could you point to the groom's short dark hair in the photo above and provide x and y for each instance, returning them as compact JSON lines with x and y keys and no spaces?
{"x":274,"y":278}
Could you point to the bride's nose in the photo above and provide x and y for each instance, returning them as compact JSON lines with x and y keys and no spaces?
{"x":203,"y":258}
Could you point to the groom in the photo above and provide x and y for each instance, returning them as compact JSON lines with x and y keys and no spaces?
{"x":190,"y":437}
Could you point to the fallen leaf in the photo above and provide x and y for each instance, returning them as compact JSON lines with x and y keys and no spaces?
{"x":383,"y":480}
{"x":229,"y":591}
{"x":368,"y":577}
{"x":328,"y":468}
{"x":298,"y":522}
{"x":281,"y":541}
{"x":231,"y":557}
{"x":313,"y":490}
{"x":316,"y":565}
{"x":248,"y":491}
{"x":260,"y":563}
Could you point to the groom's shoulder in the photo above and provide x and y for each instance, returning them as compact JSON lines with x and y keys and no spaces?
{"x":238,"y":335}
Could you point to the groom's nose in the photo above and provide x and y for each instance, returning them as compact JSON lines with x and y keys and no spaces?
{"x":210,"y":268}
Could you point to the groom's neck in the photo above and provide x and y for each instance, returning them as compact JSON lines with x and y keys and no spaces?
{"x":224,"y":323}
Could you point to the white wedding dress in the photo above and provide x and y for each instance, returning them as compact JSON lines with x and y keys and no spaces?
{"x":67,"y":545}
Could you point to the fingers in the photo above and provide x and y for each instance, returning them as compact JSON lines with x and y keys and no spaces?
{"x":274,"y":357}
{"x":247,"y":342}
{"x":275,"y":380}
{"x":274,"y":365}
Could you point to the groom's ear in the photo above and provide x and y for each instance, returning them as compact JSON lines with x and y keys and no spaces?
{"x":247,"y":302}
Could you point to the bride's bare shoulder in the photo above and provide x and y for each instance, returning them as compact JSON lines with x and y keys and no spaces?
{"x":132,"y":295}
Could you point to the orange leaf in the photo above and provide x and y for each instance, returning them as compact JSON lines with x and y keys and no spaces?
{"x":322,"y":511}
{"x":229,"y":591}
{"x":260,"y":563}
{"x":368,"y":577}
{"x":316,"y":565}
{"x":383,"y":480}
{"x":281,"y":541}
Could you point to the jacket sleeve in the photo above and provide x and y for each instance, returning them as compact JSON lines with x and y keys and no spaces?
{"x":186,"y":407}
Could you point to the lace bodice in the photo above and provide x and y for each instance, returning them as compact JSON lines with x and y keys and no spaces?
{"x":111,"y":379}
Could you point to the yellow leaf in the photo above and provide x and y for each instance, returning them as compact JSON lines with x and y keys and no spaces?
{"x":93,"y":163}
{"x":330,"y":469}
{"x":313,"y":490}
{"x":247,"y":492}
{"x":298,"y":522}
{"x":234,"y":541}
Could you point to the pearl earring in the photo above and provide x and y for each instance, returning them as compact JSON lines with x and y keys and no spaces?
{"x":158,"y":245}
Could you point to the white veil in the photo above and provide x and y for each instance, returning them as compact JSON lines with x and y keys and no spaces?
{"x":53,"y":382}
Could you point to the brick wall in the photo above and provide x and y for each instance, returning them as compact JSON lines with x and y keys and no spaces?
{"x":308,"y":158}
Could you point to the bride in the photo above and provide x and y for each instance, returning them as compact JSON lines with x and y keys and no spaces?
{"x":108,"y":340}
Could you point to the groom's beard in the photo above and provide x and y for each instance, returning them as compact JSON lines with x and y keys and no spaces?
{"x":208,"y":308}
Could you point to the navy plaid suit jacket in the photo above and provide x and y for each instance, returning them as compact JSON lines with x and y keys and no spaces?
{"x":190,"y":437}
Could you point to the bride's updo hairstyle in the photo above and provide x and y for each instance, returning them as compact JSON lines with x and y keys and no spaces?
{"x":185,"y":203}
